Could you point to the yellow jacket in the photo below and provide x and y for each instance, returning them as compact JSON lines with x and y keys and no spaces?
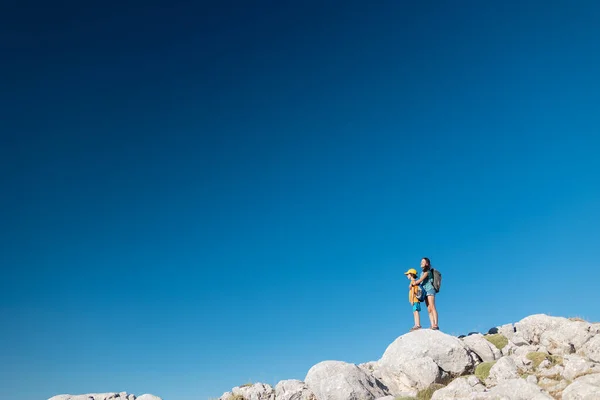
{"x":412,"y":294}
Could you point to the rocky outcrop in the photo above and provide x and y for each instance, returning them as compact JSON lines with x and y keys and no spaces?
{"x":293,"y":389}
{"x":542,"y":357}
{"x":537,"y":358}
{"x":255,"y":391}
{"x":105,"y":396}
{"x":558,"y":335}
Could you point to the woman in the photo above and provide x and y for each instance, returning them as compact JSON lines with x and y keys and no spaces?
{"x":426,"y":280}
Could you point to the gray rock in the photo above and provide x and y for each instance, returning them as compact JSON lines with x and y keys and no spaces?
{"x":509,"y":349}
{"x":448,"y":352}
{"x":583,"y":388}
{"x":226,"y":396}
{"x":397,"y":382}
{"x":507,"y":330}
{"x":421,"y":372}
{"x":387,"y":398}
{"x":480,"y":346}
{"x":368,"y":367}
{"x":552,"y":385}
{"x":256,"y":391}
{"x":504,"y":369}
{"x":591,"y":349}
{"x":293,"y":389}
{"x":513,"y":389}
{"x":559,"y":335}
{"x":337,"y":380}
{"x":532,"y":379}
{"x":104,"y":396}
{"x":519,"y":340}
{"x":552,"y":371}
{"x":459,"y":389}
{"x":544,"y":364}
{"x":574,"y":366}
{"x":519,"y":356}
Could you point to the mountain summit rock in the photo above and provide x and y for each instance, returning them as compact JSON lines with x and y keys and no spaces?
{"x":539,"y":357}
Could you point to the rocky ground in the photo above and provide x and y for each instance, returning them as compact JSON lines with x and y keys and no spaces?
{"x":105,"y":396}
{"x":540,"y":357}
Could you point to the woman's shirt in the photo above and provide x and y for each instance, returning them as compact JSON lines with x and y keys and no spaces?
{"x":427,"y":282}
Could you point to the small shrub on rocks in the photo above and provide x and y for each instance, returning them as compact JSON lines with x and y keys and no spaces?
{"x":498,"y":340}
{"x":483,"y":370}
{"x":537,"y":357}
{"x":555,"y":360}
{"x":426,"y":394}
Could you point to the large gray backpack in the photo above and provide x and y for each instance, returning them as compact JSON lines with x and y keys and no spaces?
{"x":436,"y":279}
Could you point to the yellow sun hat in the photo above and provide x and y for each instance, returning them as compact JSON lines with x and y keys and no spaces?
{"x":411,"y":271}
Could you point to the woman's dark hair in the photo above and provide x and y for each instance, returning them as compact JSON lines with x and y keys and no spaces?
{"x":428,"y":261}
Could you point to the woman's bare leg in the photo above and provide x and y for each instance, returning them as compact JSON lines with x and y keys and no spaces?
{"x":433,"y":314}
{"x":428,"y":302}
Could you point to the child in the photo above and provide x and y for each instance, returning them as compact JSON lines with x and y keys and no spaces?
{"x":413,"y":298}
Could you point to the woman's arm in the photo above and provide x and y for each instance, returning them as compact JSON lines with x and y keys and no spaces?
{"x":421,"y":279}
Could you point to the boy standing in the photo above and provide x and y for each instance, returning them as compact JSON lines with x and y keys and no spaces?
{"x":413,"y":298}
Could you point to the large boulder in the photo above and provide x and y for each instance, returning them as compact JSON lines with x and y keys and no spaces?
{"x":558,"y":335}
{"x":293,"y":389}
{"x":479,"y":345}
{"x":504,"y":369}
{"x":337,"y":380}
{"x":447,"y":352}
{"x":459,"y":389}
{"x":513,"y":389}
{"x":584,"y":388}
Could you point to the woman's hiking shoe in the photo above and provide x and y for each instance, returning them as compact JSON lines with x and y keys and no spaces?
{"x":435,"y":328}
{"x":415,"y":328}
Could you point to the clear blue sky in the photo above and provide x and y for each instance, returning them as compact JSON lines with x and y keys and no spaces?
{"x":197,"y":196}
